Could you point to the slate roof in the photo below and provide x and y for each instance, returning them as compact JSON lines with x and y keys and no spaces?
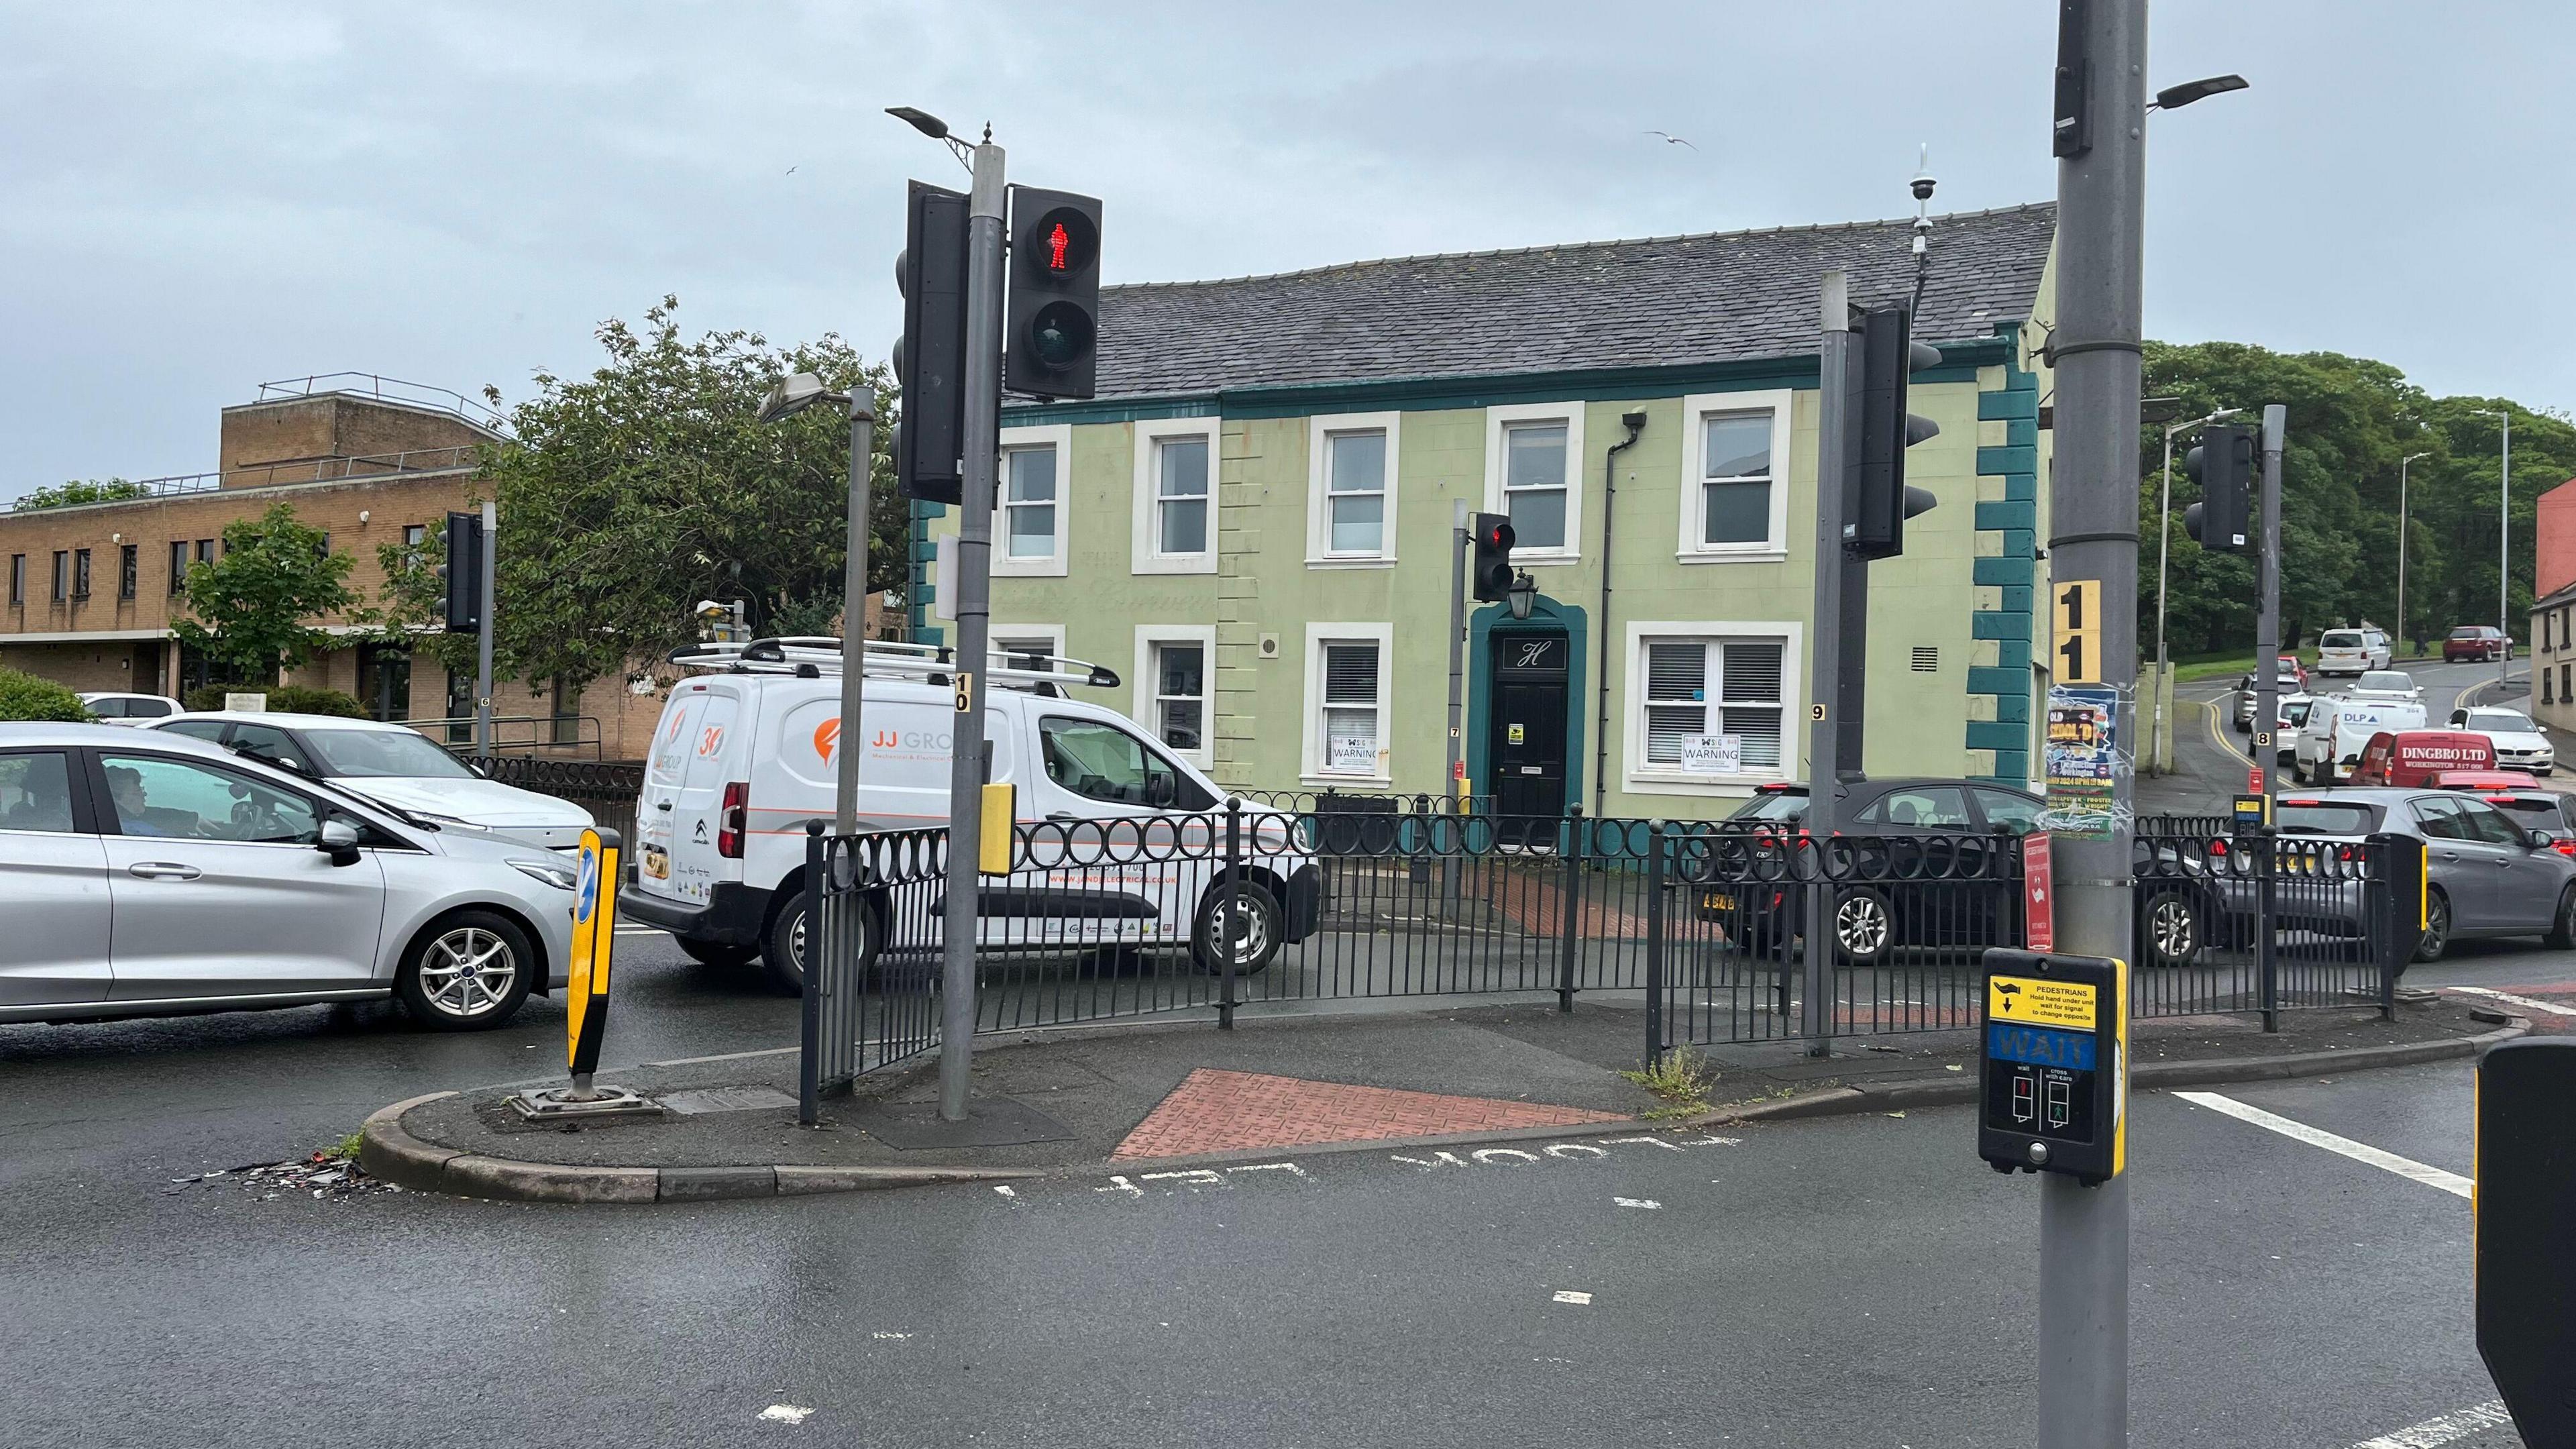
{"x":1714,"y":297}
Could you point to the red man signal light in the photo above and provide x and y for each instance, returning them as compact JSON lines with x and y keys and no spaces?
{"x":1051,"y":320}
{"x":1491,"y":571}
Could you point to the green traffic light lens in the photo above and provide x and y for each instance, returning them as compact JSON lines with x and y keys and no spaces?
{"x":1060,"y":336}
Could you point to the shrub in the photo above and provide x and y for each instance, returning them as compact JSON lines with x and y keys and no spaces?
{"x":282,"y":699}
{"x":25,"y":697}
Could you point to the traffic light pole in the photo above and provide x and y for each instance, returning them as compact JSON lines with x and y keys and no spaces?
{"x":1825,"y":670}
{"x":2265,"y":736}
{"x":2083,"y":1335}
{"x":483,"y":632}
{"x":1452,"y":787}
{"x":854,"y":608}
{"x":980,"y":459}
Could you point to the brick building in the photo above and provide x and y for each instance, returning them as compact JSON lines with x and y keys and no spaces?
{"x":92,"y":588}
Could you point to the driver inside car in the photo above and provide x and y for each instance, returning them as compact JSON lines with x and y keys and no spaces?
{"x":137,"y":815}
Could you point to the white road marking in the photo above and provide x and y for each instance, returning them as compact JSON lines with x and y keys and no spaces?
{"x":1193,"y":1177}
{"x":1568,"y":1295}
{"x":2525,"y":1002}
{"x":1636,"y":1202}
{"x":2407,"y":1167}
{"x":786,"y":1414}
{"x":891,"y":1335}
{"x":1290,"y":1168}
{"x":1492,"y":1155}
{"x":1005,"y":1189}
{"x":2448,"y":1429}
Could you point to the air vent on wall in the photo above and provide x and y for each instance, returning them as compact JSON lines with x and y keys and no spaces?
{"x":1927,"y":659}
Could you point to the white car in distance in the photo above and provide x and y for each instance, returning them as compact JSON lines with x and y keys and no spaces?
{"x":392,"y":764}
{"x":119,"y":708}
{"x":2519,"y":743}
{"x":2385,"y":686}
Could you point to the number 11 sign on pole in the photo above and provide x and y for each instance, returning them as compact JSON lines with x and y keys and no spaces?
{"x":2078,"y":649}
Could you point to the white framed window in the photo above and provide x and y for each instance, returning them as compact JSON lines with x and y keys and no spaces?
{"x":1351,"y":490}
{"x":1735,"y":476}
{"x":1026,"y":641}
{"x":1175,"y":523}
{"x":1030,"y":526}
{"x":1691,"y":679}
{"x":1534,"y":472}
{"x":1347,"y":672}
{"x":1175,"y":682}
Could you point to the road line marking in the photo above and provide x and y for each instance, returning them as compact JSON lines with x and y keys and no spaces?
{"x":1636,"y":1202}
{"x":786,"y":1414}
{"x":1568,"y":1295}
{"x":2449,"y":1428}
{"x":2430,"y":1176}
{"x":2511,"y":1000}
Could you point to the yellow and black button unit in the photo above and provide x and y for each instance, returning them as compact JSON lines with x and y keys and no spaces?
{"x":2055,"y":1070}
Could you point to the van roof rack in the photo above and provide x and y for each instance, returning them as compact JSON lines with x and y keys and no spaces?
{"x":811,"y":656}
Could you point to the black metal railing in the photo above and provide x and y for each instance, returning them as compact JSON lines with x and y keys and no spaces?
{"x":1707,"y":924}
{"x":608,"y":789}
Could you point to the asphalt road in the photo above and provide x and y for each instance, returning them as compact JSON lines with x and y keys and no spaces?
{"x":1860,"y":1281}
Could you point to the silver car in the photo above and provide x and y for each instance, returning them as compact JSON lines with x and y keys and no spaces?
{"x":147,"y":874}
{"x":2489,"y":875}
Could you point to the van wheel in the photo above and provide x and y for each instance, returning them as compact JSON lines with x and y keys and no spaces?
{"x":466,"y":972}
{"x":782,"y":946}
{"x":1255,"y":933}
{"x":712,"y":953}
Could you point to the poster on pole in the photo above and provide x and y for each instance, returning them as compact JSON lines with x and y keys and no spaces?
{"x":2038,"y":893}
{"x":2082,"y":759}
{"x":1713,"y":754}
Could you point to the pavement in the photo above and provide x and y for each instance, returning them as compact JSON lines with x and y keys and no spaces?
{"x":1176,"y":1093}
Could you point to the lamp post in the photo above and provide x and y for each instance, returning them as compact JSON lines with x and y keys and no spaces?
{"x":788,"y":398}
{"x":2402,"y":465}
{"x":2164,"y":549}
{"x":2504,"y":554}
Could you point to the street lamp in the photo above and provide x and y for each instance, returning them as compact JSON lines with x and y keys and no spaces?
{"x":2504,"y":556}
{"x":2164,"y":549}
{"x":2174,"y":98}
{"x":1522,"y":596}
{"x":2402,"y":465}
{"x":790,"y":396}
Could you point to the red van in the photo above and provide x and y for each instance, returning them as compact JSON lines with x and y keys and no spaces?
{"x":2412,"y":758}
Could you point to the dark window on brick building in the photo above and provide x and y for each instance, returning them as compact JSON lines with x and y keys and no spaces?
{"x":129,"y":564}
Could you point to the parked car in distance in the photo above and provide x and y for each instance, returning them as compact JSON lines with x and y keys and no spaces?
{"x":2354,"y":651}
{"x":393,"y":765}
{"x":2387,"y":684}
{"x":151,"y":874}
{"x":2519,"y":743}
{"x":112,"y":707}
{"x":2411,"y":758}
{"x":2476,"y":641}
{"x":2486,"y":874}
{"x":2292,"y":678}
{"x":2337,"y":729}
{"x":1873,"y":923}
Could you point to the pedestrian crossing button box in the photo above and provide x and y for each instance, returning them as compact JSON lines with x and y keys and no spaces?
{"x":2054,"y":1071}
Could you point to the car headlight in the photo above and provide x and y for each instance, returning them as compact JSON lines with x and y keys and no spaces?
{"x":561,"y":877}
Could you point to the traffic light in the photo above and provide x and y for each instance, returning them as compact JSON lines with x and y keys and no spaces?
{"x":930,"y":357}
{"x":1051,"y":327}
{"x":2223,"y":466}
{"x":1490,"y":572}
{"x":460,"y":576}
{"x":1881,"y":502}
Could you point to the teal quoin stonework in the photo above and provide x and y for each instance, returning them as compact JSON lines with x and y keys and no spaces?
{"x":2011,"y":574}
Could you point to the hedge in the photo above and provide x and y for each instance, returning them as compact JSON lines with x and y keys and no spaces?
{"x":25,"y":697}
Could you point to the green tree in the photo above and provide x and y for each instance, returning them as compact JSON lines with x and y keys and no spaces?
{"x":2350,"y":421}
{"x":629,"y":495}
{"x":26,"y":697}
{"x":254,"y":603}
{"x":82,"y":490}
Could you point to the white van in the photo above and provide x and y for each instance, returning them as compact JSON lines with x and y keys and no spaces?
{"x":2354,"y":651}
{"x":744,"y":756}
{"x":2330,"y":742}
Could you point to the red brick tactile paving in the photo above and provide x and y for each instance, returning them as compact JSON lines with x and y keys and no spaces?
{"x":1218,"y":1111}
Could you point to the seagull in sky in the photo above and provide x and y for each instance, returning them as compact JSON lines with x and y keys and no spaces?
{"x":792,"y":169}
{"x":1669,"y":138}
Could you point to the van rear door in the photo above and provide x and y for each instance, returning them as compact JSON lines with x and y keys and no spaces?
{"x":665,"y":766}
{"x":690,"y":768}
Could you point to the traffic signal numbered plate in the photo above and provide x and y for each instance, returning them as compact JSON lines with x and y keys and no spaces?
{"x":2076,"y":608}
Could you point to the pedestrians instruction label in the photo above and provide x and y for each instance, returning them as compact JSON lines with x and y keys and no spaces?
{"x":2044,"y":1002}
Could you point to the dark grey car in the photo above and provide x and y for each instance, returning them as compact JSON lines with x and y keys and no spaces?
{"x":2488,"y":875}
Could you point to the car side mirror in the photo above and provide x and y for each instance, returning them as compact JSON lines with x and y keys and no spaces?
{"x":339,"y":841}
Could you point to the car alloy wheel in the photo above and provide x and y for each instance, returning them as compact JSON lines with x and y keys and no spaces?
{"x":1861,"y":926}
{"x":467,"y":972}
{"x":2437,"y":928}
{"x":2173,"y":930}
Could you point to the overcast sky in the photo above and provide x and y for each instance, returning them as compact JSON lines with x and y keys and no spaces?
{"x":198,"y":197}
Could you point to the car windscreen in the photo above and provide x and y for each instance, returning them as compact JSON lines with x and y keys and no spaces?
{"x":2387,"y":681}
{"x":1773,"y":805}
{"x":2470,"y":633}
{"x":2500,"y":721}
{"x":2538,"y":812}
{"x":2295,"y":715}
{"x":2340,"y":639}
{"x":2324,"y":817}
{"x":382,"y":754}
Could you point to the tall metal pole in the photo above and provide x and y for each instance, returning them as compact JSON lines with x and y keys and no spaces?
{"x":2402,"y":465}
{"x":483,"y":643}
{"x":2504,"y":558}
{"x":981,"y":458}
{"x":1451,"y":785}
{"x":2157,"y":744}
{"x":2267,"y":618}
{"x":1824,"y":735}
{"x":854,"y":610}
{"x":2083,"y":1372}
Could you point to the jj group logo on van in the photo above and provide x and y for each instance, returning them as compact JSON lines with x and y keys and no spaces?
{"x":922,"y":744}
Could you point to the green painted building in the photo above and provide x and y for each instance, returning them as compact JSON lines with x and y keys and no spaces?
{"x":1251,"y":522}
